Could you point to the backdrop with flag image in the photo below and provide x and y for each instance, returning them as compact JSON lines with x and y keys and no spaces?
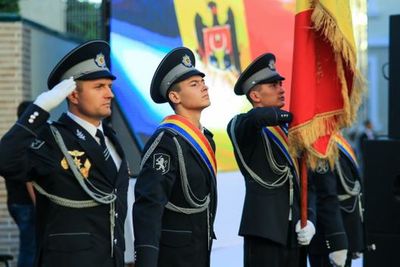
{"x":225,"y":35}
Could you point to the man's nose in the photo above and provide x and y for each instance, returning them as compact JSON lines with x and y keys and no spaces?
{"x":109,"y":93}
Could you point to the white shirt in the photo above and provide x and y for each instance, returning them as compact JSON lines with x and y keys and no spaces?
{"x":91,"y":129}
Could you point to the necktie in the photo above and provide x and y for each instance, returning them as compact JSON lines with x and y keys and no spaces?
{"x":106,"y":153}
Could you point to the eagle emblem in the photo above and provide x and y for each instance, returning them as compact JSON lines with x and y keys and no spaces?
{"x":83,"y":165}
{"x":217,"y":42}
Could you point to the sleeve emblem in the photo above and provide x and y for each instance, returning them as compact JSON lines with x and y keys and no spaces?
{"x":322,"y":167}
{"x":161,"y":162}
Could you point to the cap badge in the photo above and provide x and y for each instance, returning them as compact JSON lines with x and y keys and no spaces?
{"x":186,"y":61}
{"x":271,"y":64}
{"x":100,"y":60}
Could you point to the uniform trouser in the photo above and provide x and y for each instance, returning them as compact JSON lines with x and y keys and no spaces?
{"x":263,"y":252}
{"x":323,"y":260}
{"x":24,"y":217}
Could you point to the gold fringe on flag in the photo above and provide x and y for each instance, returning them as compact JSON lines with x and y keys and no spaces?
{"x":344,"y":48}
{"x":341,"y":38}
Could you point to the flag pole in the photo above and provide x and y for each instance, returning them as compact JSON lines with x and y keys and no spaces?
{"x":304,"y":192}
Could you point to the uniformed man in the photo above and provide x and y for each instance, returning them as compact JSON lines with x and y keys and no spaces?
{"x":175,"y":191}
{"x":339,"y":231}
{"x":76,"y":164}
{"x":270,"y":217}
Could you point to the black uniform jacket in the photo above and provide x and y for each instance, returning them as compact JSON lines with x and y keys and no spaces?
{"x":351,"y":208}
{"x":339,"y":224}
{"x":164,"y":237}
{"x":67,"y":236}
{"x":265,"y":211}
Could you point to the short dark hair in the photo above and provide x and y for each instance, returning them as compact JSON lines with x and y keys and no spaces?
{"x":257,"y":88}
{"x":248,"y":96}
{"x":22,"y":107}
{"x":254,"y":88}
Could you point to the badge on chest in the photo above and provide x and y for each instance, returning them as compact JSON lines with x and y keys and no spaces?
{"x":322,"y":167}
{"x":81,"y":162}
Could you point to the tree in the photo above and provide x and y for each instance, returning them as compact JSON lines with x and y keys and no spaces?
{"x":9,"y":6}
{"x":84,"y":19}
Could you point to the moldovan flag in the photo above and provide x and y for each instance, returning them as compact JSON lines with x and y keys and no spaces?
{"x":326,"y":85}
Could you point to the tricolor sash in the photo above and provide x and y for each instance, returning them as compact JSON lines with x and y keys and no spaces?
{"x":279,"y":136}
{"x":194,"y":137}
{"x":346,"y":148}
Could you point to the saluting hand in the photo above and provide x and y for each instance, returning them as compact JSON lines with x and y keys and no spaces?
{"x":52,"y":98}
{"x":304,"y":235}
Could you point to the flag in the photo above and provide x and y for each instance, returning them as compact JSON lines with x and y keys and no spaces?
{"x":326,"y":84}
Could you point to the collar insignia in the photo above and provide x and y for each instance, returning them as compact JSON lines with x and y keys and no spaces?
{"x":80,"y":134}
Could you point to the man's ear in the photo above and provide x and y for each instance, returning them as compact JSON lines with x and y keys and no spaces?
{"x":254,"y":96}
{"x":73,"y":97}
{"x":174,"y":97}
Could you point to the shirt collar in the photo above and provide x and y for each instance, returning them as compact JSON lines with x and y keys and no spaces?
{"x":90,"y":128}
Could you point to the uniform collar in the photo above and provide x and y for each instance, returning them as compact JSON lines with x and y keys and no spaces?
{"x":90,"y":128}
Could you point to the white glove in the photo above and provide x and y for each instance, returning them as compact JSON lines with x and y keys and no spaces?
{"x":52,"y":98}
{"x":338,"y":258}
{"x":356,"y":255}
{"x":304,"y":235}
